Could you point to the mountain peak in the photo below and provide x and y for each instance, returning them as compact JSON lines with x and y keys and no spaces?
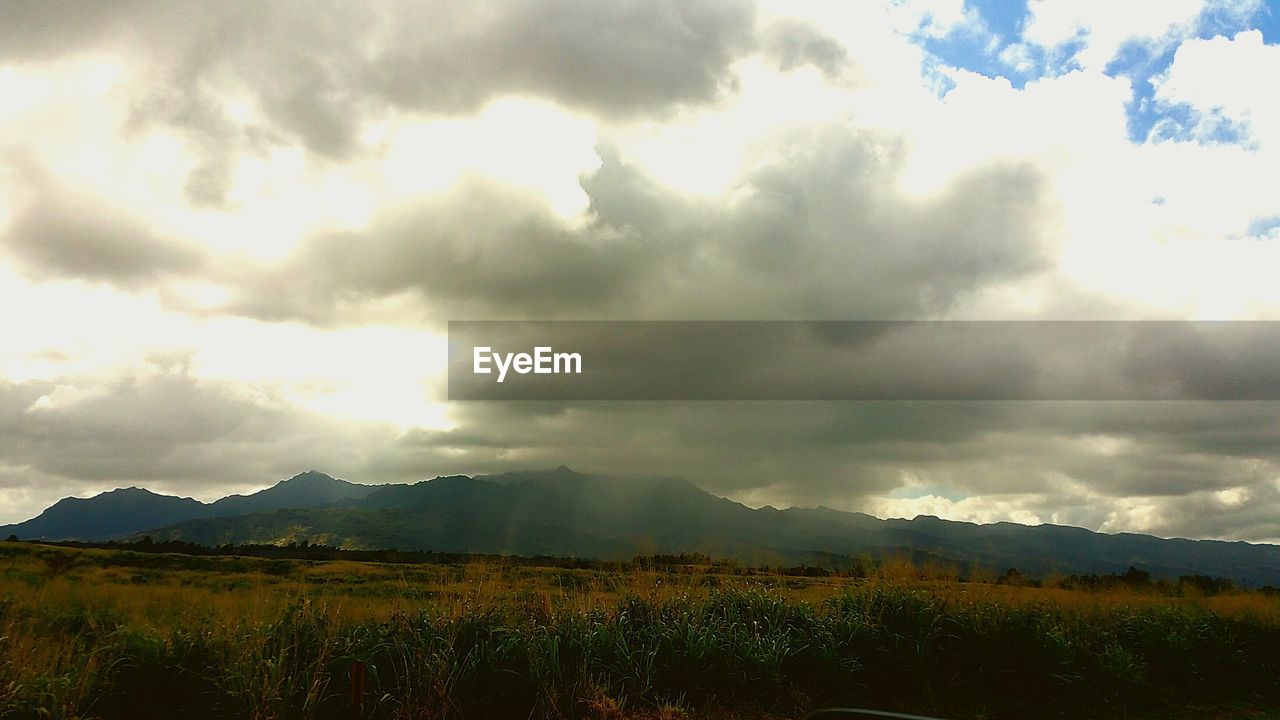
{"x":306,"y":489}
{"x":310,"y":476}
{"x":131,"y":490}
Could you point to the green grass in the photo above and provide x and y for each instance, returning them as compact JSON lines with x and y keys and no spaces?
{"x":82,"y":637}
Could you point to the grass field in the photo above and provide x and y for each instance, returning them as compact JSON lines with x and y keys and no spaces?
{"x":116,"y":634}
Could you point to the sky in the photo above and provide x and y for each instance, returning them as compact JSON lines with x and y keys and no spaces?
{"x":231,"y":237}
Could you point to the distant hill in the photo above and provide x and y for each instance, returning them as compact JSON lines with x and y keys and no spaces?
{"x":564,"y":513}
{"x":118,"y":513}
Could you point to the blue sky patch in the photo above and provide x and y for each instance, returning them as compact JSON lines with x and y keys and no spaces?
{"x":982,"y":48}
{"x":985,"y":48}
{"x":1265,"y":228}
{"x":1142,"y":62}
{"x":911,"y":492}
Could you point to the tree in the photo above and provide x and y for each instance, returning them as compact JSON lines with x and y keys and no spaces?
{"x":1012,"y":576}
{"x":1134,"y":576}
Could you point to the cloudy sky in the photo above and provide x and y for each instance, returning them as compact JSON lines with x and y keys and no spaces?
{"x":231,"y":235}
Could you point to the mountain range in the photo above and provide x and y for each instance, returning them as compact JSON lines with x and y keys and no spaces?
{"x":119,"y":513}
{"x":563,"y":513}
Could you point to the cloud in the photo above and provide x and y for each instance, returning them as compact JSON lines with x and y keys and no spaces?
{"x":1077,"y":463}
{"x":161,"y":427}
{"x":481,"y":249}
{"x":314,"y":71}
{"x":1094,"y":464}
{"x":35,"y":31}
{"x":1216,"y":79}
{"x":794,"y":44}
{"x":60,"y":233}
{"x":825,"y":214}
{"x":617,"y":58}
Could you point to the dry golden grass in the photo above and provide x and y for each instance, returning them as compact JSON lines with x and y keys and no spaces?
{"x":156,"y":596}
{"x":60,"y":607}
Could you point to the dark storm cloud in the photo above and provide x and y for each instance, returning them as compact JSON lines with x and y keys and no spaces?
{"x":482,"y":249}
{"x":615,"y":58}
{"x":844,"y":454}
{"x":732,"y":448}
{"x":821,"y":234}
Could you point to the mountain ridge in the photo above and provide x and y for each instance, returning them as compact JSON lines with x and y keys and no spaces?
{"x":118,"y":513}
{"x":565,"y":513}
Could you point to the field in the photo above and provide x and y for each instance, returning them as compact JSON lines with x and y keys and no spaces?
{"x":115,"y":634}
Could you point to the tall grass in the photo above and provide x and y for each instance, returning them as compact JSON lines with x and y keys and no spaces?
{"x":477,"y":642}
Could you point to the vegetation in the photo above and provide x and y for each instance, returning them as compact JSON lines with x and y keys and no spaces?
{"x":113,"y":633}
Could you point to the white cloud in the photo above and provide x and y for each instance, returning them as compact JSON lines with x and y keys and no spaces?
{"x":1059,"y":123}
{"x":526,"y":143}
{"x":985,"y":509}
{"x":1018,"y":56}
{"x":1221,"y":76}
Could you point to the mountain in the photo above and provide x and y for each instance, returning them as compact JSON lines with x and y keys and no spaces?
{"x":110,"y":515}
{"x":119,"y":513}
{"x":560,"y":512}
{"x":308,"y":489}
{"x":564,"y":513}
